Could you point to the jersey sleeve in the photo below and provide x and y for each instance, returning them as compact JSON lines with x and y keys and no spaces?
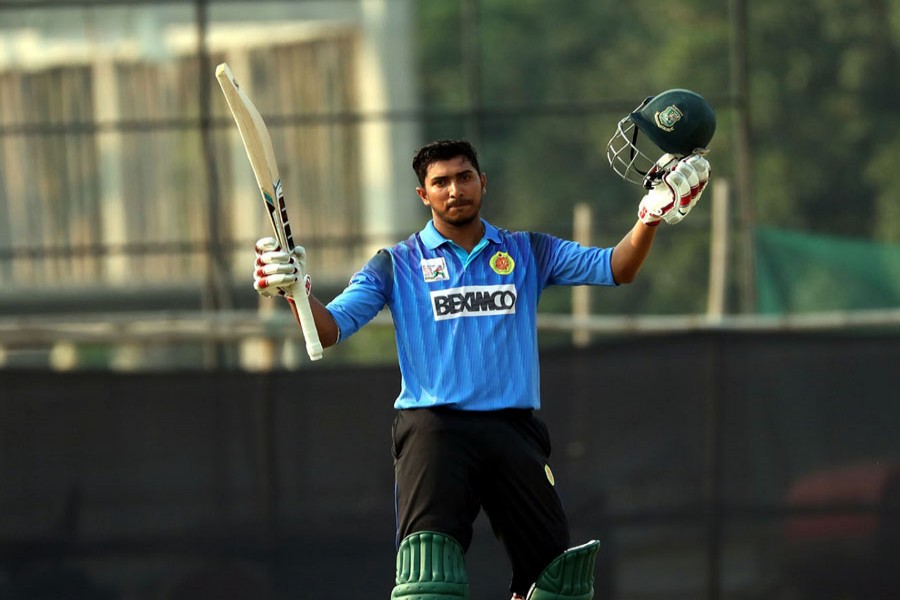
{"x":367,"y":293}
{"x":563,"y":262}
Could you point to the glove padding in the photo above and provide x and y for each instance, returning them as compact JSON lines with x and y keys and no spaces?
{"x":276,"y":271}
{"x":676,"y":192}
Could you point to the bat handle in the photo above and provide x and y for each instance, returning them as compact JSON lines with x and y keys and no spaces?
{"x":299,"y":302}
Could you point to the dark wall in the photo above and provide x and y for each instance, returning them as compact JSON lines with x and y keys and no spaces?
{"x":708,"y":464}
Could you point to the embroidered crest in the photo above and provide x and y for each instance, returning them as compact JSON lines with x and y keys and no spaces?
{"x":434,"y":269}
{"x":502,"y":263}
{"x":668,"y":117}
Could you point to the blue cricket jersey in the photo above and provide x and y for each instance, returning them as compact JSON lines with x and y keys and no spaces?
{"x":466,"y":323}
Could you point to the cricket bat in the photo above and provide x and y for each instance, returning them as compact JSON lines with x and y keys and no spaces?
{"x":258,"y":145}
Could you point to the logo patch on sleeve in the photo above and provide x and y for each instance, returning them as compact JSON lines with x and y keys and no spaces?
{"x":434,"y":269}
{"x":502,"y":263}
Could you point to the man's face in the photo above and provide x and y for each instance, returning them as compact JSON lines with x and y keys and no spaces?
{"x":453,"y":190}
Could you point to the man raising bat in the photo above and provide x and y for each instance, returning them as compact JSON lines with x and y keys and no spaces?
{"x":463,"y":295}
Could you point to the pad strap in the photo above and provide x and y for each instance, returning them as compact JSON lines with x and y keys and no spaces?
{"x":569,"y":577}
{"x":430,"y":566}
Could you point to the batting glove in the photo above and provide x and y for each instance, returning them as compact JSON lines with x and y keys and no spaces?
{"x":676,"y":193}
{"x":276,"y":271}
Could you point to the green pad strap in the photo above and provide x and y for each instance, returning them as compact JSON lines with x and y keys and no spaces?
{"x":569,"y":577}
{"x":430,"y":566}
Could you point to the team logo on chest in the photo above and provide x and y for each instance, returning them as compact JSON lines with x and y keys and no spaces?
{"x":434,"y":269}
{"x":502,"y":263}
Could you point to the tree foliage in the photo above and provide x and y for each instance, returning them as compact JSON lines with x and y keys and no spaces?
{"x":553,"y":78}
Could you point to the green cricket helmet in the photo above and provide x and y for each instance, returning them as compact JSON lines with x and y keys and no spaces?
{"x":677,"y":122}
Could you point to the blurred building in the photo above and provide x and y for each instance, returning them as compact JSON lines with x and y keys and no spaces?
{"x":125,"y":183}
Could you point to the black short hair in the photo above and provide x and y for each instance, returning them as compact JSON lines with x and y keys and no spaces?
{"x":442,"y":150}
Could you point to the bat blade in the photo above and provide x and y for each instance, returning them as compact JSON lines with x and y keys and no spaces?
{"x":258,"y":145}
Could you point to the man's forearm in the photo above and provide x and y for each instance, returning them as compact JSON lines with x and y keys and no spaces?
{"x":630,"y":253}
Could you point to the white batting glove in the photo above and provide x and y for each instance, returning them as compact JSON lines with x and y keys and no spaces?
{"x":701,"y":166}
{"x":676,"y":193}
{"x":276,"y":272}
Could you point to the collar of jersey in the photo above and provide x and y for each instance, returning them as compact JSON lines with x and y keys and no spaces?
{"x":432,"y":239}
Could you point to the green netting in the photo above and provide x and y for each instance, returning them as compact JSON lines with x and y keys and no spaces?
{"x":799,"y":272}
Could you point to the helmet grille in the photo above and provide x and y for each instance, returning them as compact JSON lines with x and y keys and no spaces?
{"x":623,"y":153}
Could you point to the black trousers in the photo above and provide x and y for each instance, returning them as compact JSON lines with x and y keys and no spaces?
{"x":449,"y":464}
